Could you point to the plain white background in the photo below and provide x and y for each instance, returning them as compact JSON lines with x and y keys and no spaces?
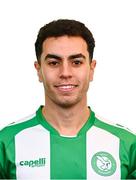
{"x":112,"y":95}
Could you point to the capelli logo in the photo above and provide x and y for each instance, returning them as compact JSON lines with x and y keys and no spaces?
{"x":33,"y":163}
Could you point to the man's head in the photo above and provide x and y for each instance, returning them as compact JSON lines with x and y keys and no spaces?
{"x":64,"y":27}
{"x":64,"y":50}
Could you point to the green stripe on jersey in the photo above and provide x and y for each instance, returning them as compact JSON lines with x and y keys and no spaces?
{"x":68,"y":154}
{"x":68,"y":157}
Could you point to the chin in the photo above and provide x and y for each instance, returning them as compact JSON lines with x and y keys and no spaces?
{"x":68,"y":103}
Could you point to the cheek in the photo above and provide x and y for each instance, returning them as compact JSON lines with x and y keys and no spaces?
{"x":85,"y":76}
{"x":48,"y":77}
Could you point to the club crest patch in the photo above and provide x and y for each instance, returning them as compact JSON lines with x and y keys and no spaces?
{"x":103,"y":163}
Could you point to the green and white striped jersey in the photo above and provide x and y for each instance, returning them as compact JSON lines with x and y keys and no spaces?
{"x":33,"y":149}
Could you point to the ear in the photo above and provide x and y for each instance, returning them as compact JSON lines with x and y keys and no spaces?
{"x":38,"y":69}
{"x":92,"y":67}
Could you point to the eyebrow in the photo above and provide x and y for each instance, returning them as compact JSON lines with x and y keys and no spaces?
{"x":74,"y":56}
{"x":52,"y":56}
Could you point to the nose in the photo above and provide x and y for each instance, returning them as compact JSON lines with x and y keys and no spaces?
{"x":65,"y":70}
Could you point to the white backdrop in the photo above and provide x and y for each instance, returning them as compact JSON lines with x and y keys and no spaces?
{"x":112,"y":95}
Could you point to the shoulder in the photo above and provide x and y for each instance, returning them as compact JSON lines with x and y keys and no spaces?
{"x":121,"y":132}
{"x":9,"y":132}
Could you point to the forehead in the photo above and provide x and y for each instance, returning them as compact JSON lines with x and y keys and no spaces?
{"x":65,"y":44}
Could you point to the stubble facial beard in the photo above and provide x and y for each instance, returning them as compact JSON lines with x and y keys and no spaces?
{"x":65,"y":103}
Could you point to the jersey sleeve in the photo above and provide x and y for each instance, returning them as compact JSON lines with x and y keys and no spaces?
{"x":2,"y":176}
{"x":2,"y":171}
{"x":132,"y":168}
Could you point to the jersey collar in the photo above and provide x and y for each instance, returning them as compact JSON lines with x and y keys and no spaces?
{"x":42,"y":120}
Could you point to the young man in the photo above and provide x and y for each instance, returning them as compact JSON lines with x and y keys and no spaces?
{"x":64,"y":139}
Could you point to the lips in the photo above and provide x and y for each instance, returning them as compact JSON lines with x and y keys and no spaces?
{"x":66,"y":87}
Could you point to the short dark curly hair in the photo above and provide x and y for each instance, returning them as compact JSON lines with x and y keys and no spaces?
{"x":63,"y":27}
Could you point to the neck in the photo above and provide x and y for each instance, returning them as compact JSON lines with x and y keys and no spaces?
{"x":67,"y":121}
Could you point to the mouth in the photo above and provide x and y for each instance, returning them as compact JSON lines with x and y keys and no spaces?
{"x":66,"y":87}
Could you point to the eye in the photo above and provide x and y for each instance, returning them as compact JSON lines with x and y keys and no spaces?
{"x":53,"y":63}
{"x":77,"y":62}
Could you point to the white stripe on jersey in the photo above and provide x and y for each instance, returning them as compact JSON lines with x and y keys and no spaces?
{"x":23,"y":119}
{"x":32,"y":147}
{"x":113,"y":124}
{"x":99,"y":140}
